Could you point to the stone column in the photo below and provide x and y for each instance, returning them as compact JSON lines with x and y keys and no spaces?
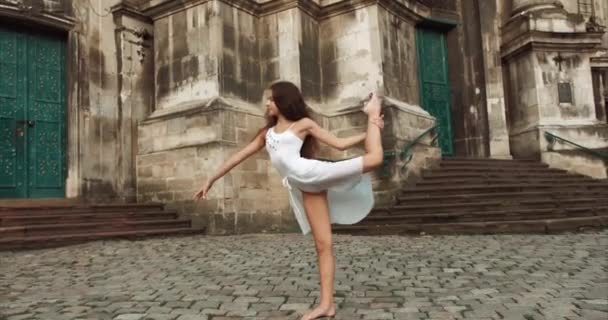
{"x":548,"y":57}
{"x":135,"y":84}
{"x":498,"y":136}
{"x":533,"y":5}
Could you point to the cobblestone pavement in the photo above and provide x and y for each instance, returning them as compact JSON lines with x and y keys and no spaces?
{"x":275,"y":277}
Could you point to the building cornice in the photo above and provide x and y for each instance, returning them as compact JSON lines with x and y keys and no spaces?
{"x":57,"y":20}
{"x":129,"y":10}
{"x":525,"y":33}
{"x":412,"y":10}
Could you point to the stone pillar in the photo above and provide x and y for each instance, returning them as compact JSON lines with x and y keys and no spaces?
{"x":548,"y":55}
{"x":498,"y":136}
{"x":135,"y":84}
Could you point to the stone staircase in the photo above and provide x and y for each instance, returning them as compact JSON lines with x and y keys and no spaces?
{"x":54,"y":222}
{"x":477,"y":196}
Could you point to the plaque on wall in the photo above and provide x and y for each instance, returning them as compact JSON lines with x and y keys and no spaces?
{"x":564,"y":91}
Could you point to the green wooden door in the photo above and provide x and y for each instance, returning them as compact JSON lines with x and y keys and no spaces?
{"x":32,"y":114}
{"x":434,"y":83}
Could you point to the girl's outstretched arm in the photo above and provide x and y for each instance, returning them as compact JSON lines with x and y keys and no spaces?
{"x":328,"y":138}
{"x":254,"y":146}
{"x":353,"y":140}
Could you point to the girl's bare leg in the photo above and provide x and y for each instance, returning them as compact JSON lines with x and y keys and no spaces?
{"x":317,"y":211}
{"x":374,"y":155}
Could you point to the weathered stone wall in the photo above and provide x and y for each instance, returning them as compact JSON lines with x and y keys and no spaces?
{"x":524,"y":114}
{"x":451,"y":5}
{"x":187,"y":56}
{"x":195,"y":72}
{"x":310,"y":58}
{"x":108,"y":90}
{"x":240,"y":67}
{"x":599,"y":64}
{"x":183,"y":150}
{"x":534,"y":101}
{"x":399,"y":57}
{"x":406,"y":123}
{"x":193,"y":133}
{"x":497,"y":133}
{"x":573,"y":69}
{"x":577,"y":162}
{"x":560,"y":58}
{"x":268,"y":42}
{"x":602,"y":10}
{"x":335,"y":60}
{"x":468,"y":96}
{"x":350,"y":57}
{"x":135,"y":97}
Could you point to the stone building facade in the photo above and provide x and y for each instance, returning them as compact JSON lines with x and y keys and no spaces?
{"x":158,"y":93}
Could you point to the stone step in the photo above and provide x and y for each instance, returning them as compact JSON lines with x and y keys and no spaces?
{"x":473,"y":169}
{"x":20,"y":220}
{"x":488,"y":205}
{"x":79,"y":208}
{"x":105,"y":226}
{"x":488,"y":160}
{"x":488,"y":196}
{"x":433,"y":175}
{"x":45,"y":202}
{"x":67,"y":203}
{"x":503,"y":180}
{"x":12,"y":243}
{"x":481,"y":227}
{"x":482,"y":165}
{"x":487,"y":215}
{"x":498,"y":196}
{"x":485,"y":188}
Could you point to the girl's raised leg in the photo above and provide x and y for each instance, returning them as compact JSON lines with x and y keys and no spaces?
{"x":374,"y":155}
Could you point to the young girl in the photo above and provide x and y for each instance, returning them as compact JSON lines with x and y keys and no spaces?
{"x":320,"y":192}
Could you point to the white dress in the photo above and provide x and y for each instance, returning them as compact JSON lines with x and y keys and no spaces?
{"x":349,"y":191}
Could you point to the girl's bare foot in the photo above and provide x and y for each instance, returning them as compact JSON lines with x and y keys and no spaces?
{"x":366,"y":102}
{"x":373,"y":106}
{"x":320,"y":312}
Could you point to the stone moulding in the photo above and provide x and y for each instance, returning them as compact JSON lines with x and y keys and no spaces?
{"x":569,"y":126}
{"x":599,"y":62}
{"x":28,"y":13}
{"x":412,"y":10}
{"x":525,"y":32}
{"x":217,"y":103}
{"x":198,"y":106}
{"x":125,"y":9}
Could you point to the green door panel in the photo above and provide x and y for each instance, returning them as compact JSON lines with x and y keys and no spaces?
{"x":32,"y":114}
{"x":434,"y":83}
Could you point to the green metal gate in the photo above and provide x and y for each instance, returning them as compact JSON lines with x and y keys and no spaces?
{"x":32,"y":114}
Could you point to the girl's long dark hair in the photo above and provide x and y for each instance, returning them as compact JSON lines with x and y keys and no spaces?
{"x":291,"y":105}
